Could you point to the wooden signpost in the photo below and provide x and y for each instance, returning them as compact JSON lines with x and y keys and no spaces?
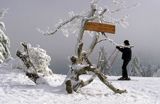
{"x":99,"y":27}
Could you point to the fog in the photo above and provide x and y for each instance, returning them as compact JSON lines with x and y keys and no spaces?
{"x":24,"y":16}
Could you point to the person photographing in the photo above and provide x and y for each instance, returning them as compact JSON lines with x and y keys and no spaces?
{"x":126,"y":57}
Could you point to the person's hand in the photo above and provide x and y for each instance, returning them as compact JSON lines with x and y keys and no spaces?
{"x":117,"y":46}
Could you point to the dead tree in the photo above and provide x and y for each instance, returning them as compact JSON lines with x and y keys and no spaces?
{"x":73,"y":82}
{"x":84,"y":56}
{"x":94,"y":15}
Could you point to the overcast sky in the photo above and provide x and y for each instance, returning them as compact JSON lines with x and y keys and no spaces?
{"x":24,"y":16}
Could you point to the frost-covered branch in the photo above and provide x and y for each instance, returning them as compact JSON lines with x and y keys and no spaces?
{"x":122,"y":5}
{"x":118,"y":5}
{"x":97,"y":16}
{"x":3,"y":12}
{"x":48,"y":32}
{"x":114,"y":43}
{"x":110,"y":40}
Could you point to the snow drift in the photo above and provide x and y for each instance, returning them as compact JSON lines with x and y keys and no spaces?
{"x":17,"y":88}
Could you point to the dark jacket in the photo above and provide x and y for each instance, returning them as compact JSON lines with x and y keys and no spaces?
{"x":126,"y":52}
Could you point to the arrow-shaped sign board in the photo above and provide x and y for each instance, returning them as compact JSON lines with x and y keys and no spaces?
{"x":99,"y":27}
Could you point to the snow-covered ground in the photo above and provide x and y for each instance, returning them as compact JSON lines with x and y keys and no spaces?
{"x":16,"y":88}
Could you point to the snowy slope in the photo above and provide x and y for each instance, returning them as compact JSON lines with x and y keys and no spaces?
{"x":16,"y":88}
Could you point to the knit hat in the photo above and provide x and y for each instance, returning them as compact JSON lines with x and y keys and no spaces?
{"x":126,"y":42}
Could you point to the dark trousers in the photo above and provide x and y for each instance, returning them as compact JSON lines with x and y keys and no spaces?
{"x":124,"y":68}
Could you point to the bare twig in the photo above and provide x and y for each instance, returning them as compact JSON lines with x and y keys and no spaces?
{"x":101,"y":40}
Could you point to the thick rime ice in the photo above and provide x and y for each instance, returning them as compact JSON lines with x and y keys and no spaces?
{"x":36,"y":62}
{"x":39,"y":59}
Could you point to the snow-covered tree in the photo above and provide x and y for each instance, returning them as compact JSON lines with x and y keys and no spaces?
{"x":136,"y":69}
{"x":4,"y":40}
{"x":104,"y":63}
{"x":157,"y":73}
{"x":76,"y":25}
{"x":36,"y":61}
